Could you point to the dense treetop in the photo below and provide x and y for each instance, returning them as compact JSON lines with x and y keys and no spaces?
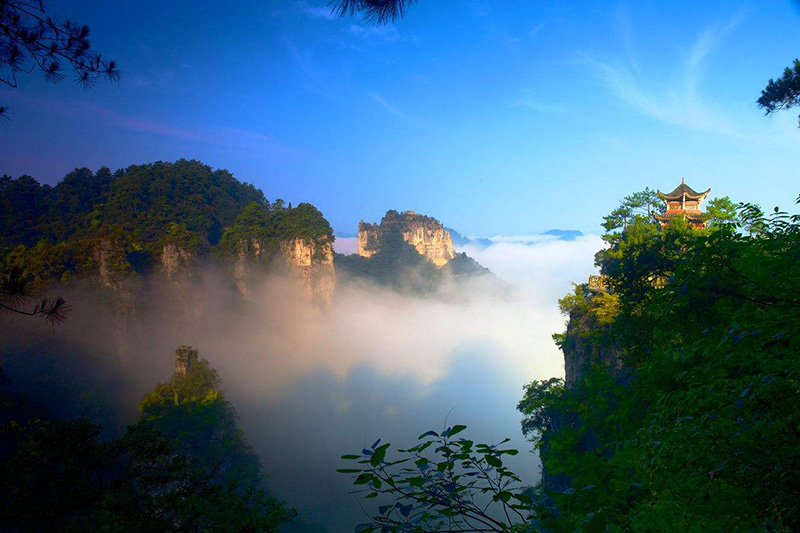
{"x":267,"y":225}
{"x":141,"y":201}
{"x":53,"y":231}
{"x":681,"y":413}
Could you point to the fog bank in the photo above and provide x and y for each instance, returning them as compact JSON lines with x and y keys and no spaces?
{"x":311,"y":384}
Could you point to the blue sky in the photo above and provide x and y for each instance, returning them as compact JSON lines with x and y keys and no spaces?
{"x":495,"y":117}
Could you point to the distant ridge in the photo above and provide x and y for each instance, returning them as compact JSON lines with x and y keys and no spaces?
{"x":460,"y":240}
{"x":564,"y":234}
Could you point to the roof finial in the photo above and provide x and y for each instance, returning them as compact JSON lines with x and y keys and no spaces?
{"x":683,"y":181}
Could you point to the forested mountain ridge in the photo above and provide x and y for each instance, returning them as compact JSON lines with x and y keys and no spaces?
{"x":169,"y":218}
{"x":54,"y":232}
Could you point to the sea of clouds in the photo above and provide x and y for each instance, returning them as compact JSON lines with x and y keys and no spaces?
{"x":311,"y":384}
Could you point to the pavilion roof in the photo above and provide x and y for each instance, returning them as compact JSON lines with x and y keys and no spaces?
{"x":682,"y":190}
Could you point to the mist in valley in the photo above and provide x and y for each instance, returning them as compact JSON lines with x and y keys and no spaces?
{"x":312,"y":384}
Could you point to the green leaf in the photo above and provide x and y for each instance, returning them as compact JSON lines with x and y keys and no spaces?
{"x":378,"y":455}
{"x":493,"y":461}
{"x":425,"y":446}
{"x":416,"y":481}
{"x":456,"y":430}
{"x":363,"y":479}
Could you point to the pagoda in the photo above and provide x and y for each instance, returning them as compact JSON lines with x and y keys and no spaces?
{"x":683,"y":201}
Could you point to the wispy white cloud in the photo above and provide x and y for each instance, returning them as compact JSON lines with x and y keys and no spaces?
{"x":315,"y":77}
{"x":624,"y":28}
{"x":679,"y":101}
{"x":480,"y":8}
{"x":225,"y":136}
{"x":386,"y":33}
{"x":381,"y":101}
{"x":531,"y":104}
{"x":318,"y":12}
{"x":536,"y":29}
{"x":540,"y":263}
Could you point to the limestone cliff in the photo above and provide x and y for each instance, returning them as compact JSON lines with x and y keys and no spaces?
{"x":250,"y":253}
{"x":587,"y":344}
{"x":425,"y":234}
{"x":176,"y":261}
{"x":312,"y":262}
{"x":112,"y":273}
{"x":185,"y":358}
{"x":369,"y":240}
{"x":309,"y":261}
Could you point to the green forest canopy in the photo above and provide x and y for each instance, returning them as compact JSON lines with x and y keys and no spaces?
{"x":53,"y":232}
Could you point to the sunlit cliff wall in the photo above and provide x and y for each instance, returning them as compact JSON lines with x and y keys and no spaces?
{"x":309,"y":262}
{"x":425,"y":234}
{"x":312,"y":264}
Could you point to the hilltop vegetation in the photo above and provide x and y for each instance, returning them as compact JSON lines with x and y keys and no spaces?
{"x":681,"y":407}
{"x":183,"y":466}
{"x":265,"y":225}
{"x":53,"y":232}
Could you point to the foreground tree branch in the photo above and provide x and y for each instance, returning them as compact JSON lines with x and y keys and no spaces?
{"x":15,"y":294}
{"x":30,"y":39}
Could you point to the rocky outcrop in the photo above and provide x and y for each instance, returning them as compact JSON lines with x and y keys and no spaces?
{"x":311,"y":261}
{"x":109,"y":258}
{"x":582,"y":351}
{"x":586,"y":345}
{"x":185,"y":358}
{"x":113,"y":275}
{"x":426,"y":234}
{"x":176,"y":262}
{"x":249,"y":255}
{"x":369,"y":239}
{"x":308,"y":261}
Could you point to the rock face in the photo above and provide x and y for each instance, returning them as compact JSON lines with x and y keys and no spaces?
{"x":425,"y":234}
{"x":250,"y":253}
{"x":175,"y":261}
{"x":369,"y":239}
{"x":109,"y":257}
{"x":309,"y":261}
{"x":584,"y":347}
{"x":312,"y":262}
{"x":185,"y":357}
